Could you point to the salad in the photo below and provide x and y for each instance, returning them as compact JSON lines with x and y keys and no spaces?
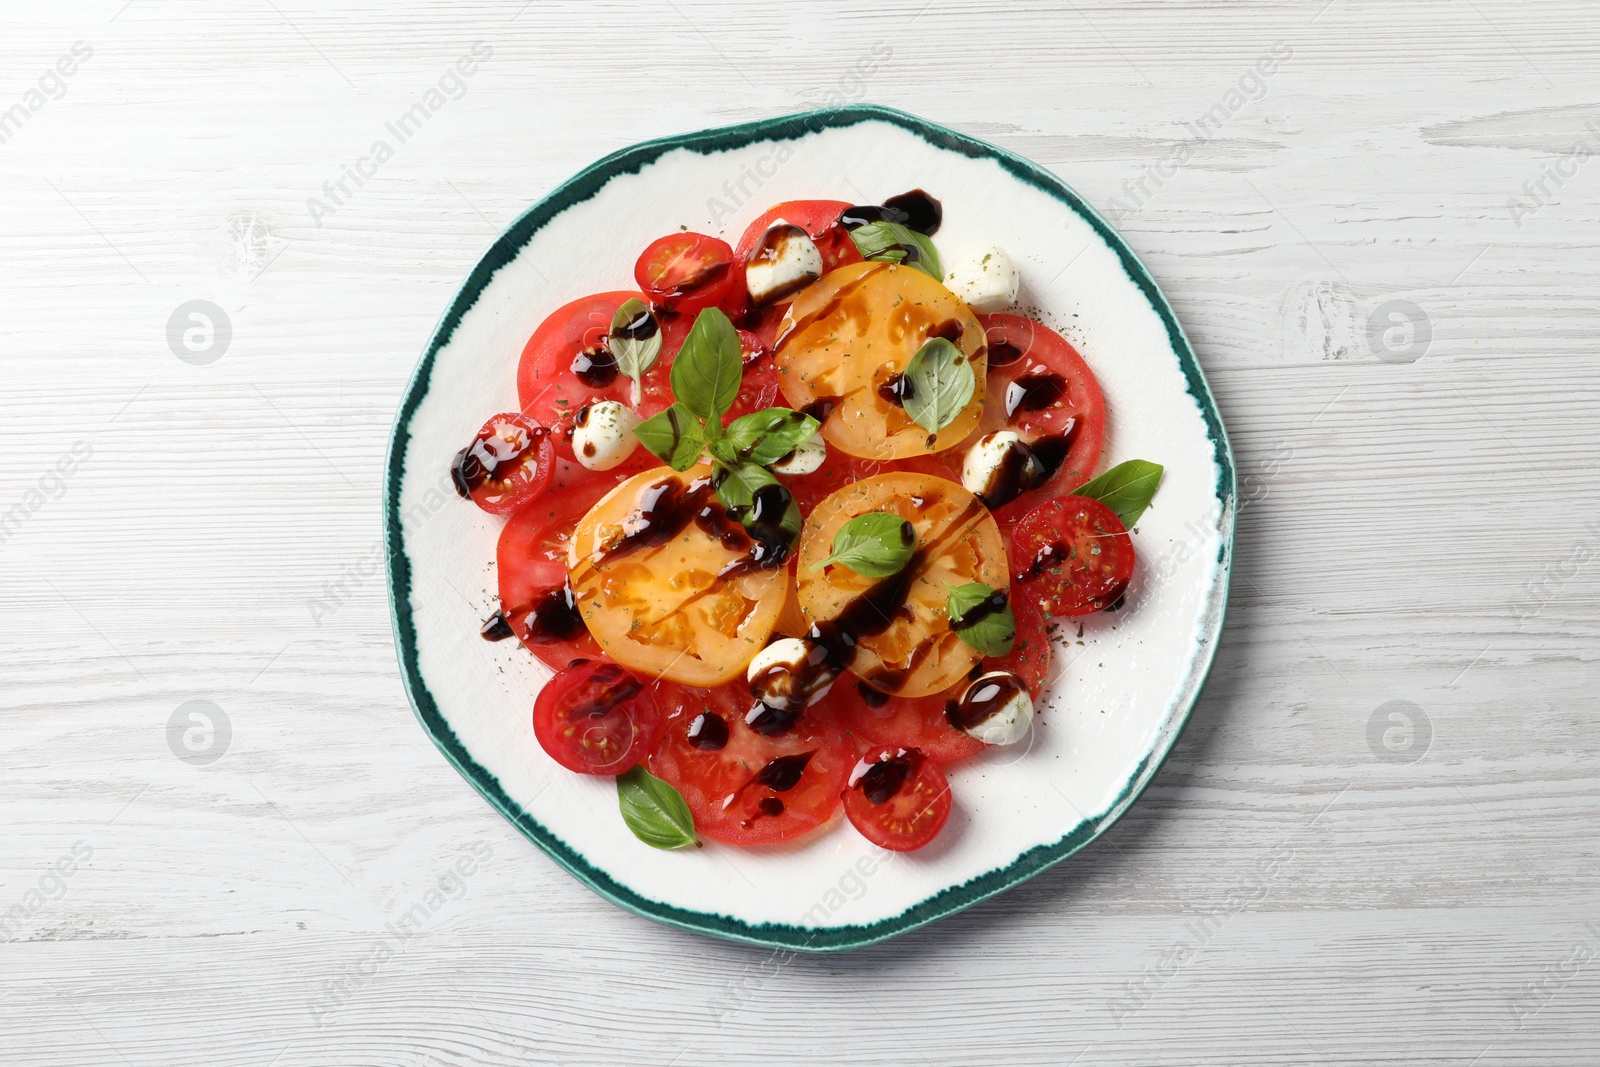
{"x":790,"y":519}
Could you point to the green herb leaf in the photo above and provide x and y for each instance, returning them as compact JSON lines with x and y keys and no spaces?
{"x":634,"y":340}
{"x":1126,"y":488}
{"x":891,"y":242}
{"x":654,"y":811}
{"x":768,"y":435}
{"x":737,"y":485}
{"x":941,"y":382}
{"x":673,"y":436}
{"x":981,"y":616}
{"x":707,"y":370}
{"x":876,"y":545}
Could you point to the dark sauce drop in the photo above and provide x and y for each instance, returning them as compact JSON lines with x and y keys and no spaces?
{"x":497,"y":628}
{"x":554,"y":617}
{"x":783,"y":773}
{"x":608,"y":686}
{"x":949,"y":330}
{"x":1017,"y":472}
{"x":820,"y":408}
{"x":983,"y":699}
{"x":769,"y":543}
{"x":992,"y":604}
{"x":595,"y":367}
{"x":769,"y":721}
{"x":708,"y":732}
{"x":467,"y":473}
{"x":1051,"y":452}
{"x":883,"y":780}
{"x":1003,"y":354}
{"x":915,"y":210}
{"x":1048,"y":556}
{"x":771,"y":807}
{"x":1034,"y":391}
{"x":896,"y":389}
{"x":871,"y":697}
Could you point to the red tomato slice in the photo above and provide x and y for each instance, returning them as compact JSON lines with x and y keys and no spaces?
{"x":745,"y":788}
{"x":570,"y":343}
{"x":1071,"y":556}
{"x":819,"y":218}
{"x":759,"y":387}
{"x":910,"y":722}
{"x":532,"y":562}
{"x":1040,"y":387}
{"x":596,"y":718}
{"x":684,"y":272}
{"x":508,"y":464}
{"x":897,"y":797}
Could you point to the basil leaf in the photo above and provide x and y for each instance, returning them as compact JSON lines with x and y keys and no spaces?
{"x":739,"y":488}
{"x":940,"y":381}
{"x":673,"y":436}
{"x":891,"y":242}
{"x":1126,"y":488}
{"x":634,"y":340}
{"x":768,"y":435}
{"x":876,"y":545}
{"x":654,"y":811}
{"x":981,"y":616}
{"x":707,"y":370}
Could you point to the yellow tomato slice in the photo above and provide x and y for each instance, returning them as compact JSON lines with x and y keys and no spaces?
{"x":645,"y":575}
{"x":904,"y":642}
{"x":849,"y":332}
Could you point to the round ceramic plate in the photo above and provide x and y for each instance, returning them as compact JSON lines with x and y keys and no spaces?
{"x":1122,"y":685}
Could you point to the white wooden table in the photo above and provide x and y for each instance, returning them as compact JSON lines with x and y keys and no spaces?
{"x":1319,"y":874}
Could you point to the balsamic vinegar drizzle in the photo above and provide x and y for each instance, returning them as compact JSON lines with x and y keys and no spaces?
{"x":769,"y":721}
{"x":871,"y":697}
{"x":782,"y":773}
{"x":1003,"y":354}
{"x":554,"y":617}
{"x":915,"y":210}
{"x":820,"y":408}
{"x":896,"y":389}
{"x":708,"y":732}
{"x":1034,"y":391}
{"x":883,"y":780}
{"x":664,"y":509}
{"x":596,"y":367}
{"x":497,"y":628}
{"x":1028,"y":466}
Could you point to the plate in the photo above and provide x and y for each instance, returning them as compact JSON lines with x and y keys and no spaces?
{"x":1122,"y":688}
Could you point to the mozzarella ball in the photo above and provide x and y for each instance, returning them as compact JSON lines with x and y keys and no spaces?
{"x":782,"y":263}
{"x":807,"y":457}
{"x":1010,"y":709}
{"x":789,"y":674}
{"x":984,"y":278}
{"x":602,"y":434}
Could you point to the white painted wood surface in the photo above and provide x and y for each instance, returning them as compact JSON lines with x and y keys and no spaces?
{"x":1421,"y":529}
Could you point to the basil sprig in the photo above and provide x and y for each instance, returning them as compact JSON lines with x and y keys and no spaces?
{"x":634,"y":340}
{"x":654,"y":810}
{"x":941,"y":382}
{"x":981,"y":616}
{"x":875,"y":545}
{"x":890,"y":242}
{"x":706,"y":375}
{"x":1126,"y":488}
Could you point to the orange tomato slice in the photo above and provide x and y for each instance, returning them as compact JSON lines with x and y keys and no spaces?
{"x":845,"y":336}
{"x":905,"y":646}
{"x":645,"y":573}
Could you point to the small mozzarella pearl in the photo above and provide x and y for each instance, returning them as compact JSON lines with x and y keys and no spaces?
{"x":602,"y":434}
{"x":789,"y":674}
{"x":985,"y":458}
{"x":1007,"y":724}
{"x":806,"y":458}
{"x":985,"y":279}
{"x":785,"y":259}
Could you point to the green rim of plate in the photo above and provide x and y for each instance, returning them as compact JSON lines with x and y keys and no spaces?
{"x":504,"y":250}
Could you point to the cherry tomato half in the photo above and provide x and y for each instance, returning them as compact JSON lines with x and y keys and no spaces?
{"x":819,"y":218}
{"x":596,"y":718}
{"x":684,"y":272}
{"x":531,"y":559}
{"x":746,"y":787}
{"x":897,"y":797}
{"x":508,"y":464}
{"x":1071,"y":556}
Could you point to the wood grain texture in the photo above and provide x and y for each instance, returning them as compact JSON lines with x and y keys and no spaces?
{"x":1419,"y":527}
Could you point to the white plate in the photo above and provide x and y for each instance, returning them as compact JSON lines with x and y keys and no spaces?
{"x":1118,"y":696}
